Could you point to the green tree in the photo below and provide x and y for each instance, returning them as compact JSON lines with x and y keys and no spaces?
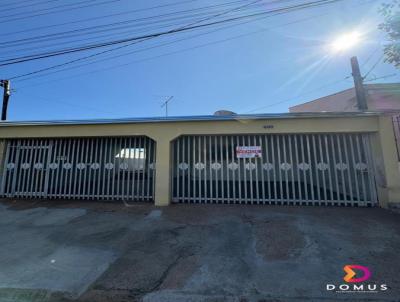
{"x":391,"y":25}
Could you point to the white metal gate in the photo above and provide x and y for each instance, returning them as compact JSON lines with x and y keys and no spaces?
{"x":310,"y":169}
{"x":115,"y":168}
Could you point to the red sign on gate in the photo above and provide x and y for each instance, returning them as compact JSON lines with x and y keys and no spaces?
{"x":248,"y":152}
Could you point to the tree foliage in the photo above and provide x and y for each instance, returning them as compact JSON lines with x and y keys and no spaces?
{"x":391,"y":25}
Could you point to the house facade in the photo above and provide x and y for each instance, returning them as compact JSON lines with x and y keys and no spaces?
{"x":344,"y":159}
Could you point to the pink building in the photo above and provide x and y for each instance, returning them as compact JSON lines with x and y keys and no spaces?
{"x":380,"y":97}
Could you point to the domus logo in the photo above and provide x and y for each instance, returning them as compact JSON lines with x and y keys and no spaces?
{"x":349,"y":269}
{"x":355,"y":277}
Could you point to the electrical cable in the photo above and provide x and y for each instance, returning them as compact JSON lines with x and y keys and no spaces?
{"x":38,"y":56}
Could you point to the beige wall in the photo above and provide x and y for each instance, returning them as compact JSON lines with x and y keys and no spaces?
{"x":165,"y":132}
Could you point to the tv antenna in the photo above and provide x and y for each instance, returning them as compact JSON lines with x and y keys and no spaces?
{"x":165,"y":104}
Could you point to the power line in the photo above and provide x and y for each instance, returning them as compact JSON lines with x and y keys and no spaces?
{"x":163,"y":44}
{"x":43,"y":38}
{"x":58,"y":11}
{"x":96,"y":54}
{"x":154,"y":57}
{"x":168,"y":43}
{"x":38,"y":56}
{"x":374,"y":66}
{"x":5,"y":6}
{"x":96,"y":18}
{"x":299,"y":95}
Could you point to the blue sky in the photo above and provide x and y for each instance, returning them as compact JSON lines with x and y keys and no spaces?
{"x":263,"y":66}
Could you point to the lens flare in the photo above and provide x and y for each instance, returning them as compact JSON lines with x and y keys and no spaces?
{"x":346,"y":41}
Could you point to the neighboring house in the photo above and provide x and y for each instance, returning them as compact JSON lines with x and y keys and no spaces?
{"x":380,"y":97}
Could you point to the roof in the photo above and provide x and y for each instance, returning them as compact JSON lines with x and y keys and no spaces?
{"x":197,"y":118}
{"x":381,"y":97}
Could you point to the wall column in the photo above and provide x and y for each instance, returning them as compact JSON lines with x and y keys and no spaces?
{"x":387,"y":164}
{"x":162,"y":193}
{"x":2,"y":159}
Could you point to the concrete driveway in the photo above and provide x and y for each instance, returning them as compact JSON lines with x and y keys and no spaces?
{"x":70,"y":251}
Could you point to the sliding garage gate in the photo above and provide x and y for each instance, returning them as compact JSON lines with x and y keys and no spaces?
{"x":312,"y":169}
{"x":120,"y":168}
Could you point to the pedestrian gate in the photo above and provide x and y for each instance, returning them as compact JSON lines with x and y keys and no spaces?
{"x":311,"y":169}
{"x":120,"y":168}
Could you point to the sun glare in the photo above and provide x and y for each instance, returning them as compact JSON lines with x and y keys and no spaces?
{"x":346,"y":41}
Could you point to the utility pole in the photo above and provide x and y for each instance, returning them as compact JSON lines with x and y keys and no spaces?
{"x":165,"y":104}
{"x":359,"y":86}
{"x":6,"y":96}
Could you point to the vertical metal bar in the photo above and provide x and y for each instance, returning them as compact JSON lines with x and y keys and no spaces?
{"x":201,"y":160}
{"x":193,"y":168}
{"x":63,"y":171}
{"x":123,"y":153}
{"x":38,"y":171}
{"x":59,"y":168}
{"x":60,"y":179}
{"x":284,"y":137}
{"x":216,"y":195}
{"x":5,"y":169}
{"x":55,"y":171}
{"x":110,"y":171}
{"x":10,"y":173}
{"x":75,"y":169}
{"x":360,"y":160}
{"x":267,"y":165}
{"x":188,"y":196}
{"x":148,"y":160}
{"x":25,"y":160}
{"x":228,"y":185}
{"x":250,"y":172}
{"x":317,"y":173}
{"x":90,"y":170}
{"x":99,"y":153}
{"x":46,"y":167}
{"x":370,"y":168}
{"x":239,"y":169}
{"x":177,"y":145}
{"x":82,"y":171}
{"x":87,"y":166}
{"x":211,"y":196}
{"x":15,"y":170}
{"x":351,"y":137}
{"x":221,"y":147}
{"x":4,"y":172}
{"x":321,"y":154}
{"x":278,"y":138}
{"x":134,"y":168}
{"x":35,"y":178}
{"x":334,"y":167}
{"x":296,"y":150}
{"x":328,"y":159}
{"x":183,"y":161}
{"x":275,"y":165}
{"x":350,"y":167}
{"x":342,"y":167}
{"x":292,"y":167}
{"x":256,"y":159}
{"x":312,"y":166}
{"x":119,"y":151}
{"x":243,"y":143}
{"x":234,"y":182}
{"x":303,"y":158}
{"x":131,"y":160}
{"x":143,"y":147}
{"x":20,"y":171}
{"x":71,"y":157}
{"x":204,"y":197}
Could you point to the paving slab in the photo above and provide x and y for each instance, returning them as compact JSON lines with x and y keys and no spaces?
{"x":94,"y":251}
